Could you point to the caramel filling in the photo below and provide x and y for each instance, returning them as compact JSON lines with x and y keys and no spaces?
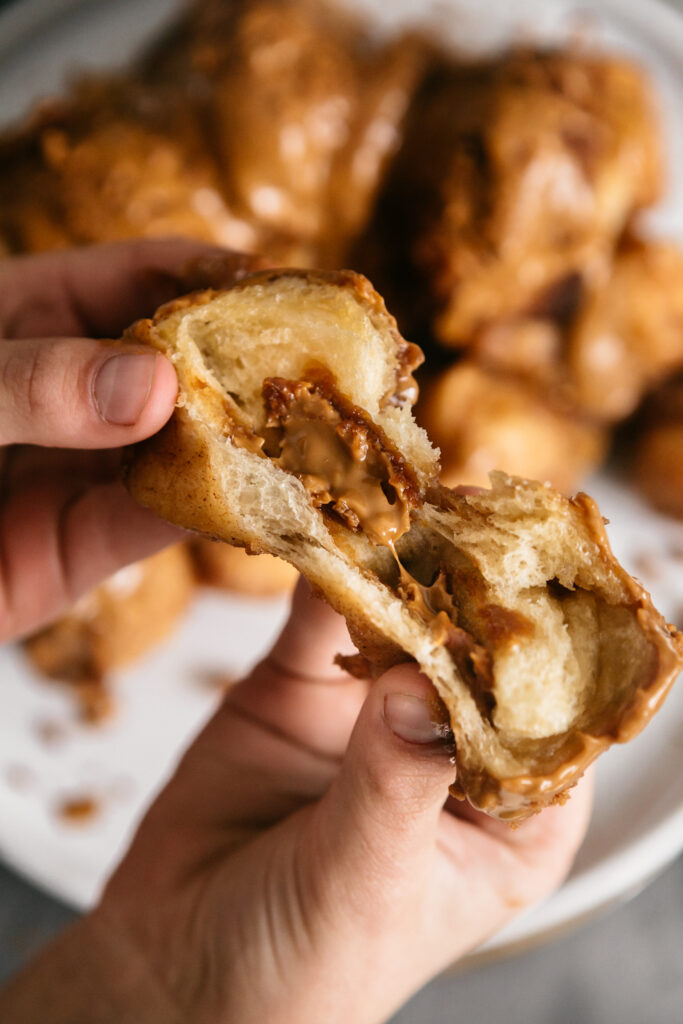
{"x":434,"y":604}
{"x":348,"y":465}
{"x":355,"y":475}
{"x":406,"y":391}
{"x":470,"y":634}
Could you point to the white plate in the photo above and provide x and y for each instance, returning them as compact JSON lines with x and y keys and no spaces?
{"x":45,"y":756}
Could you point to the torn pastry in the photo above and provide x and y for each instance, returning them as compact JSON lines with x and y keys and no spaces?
{"x":294,"y":435}
{"x":232,"y":569}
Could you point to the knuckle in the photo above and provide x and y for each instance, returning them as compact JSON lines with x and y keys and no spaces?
{"x":42,"y":379}
{"x":408,"y":788}
{"x":36,"y":379}
{"x":25,"y":378}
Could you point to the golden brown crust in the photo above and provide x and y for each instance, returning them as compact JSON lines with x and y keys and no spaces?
{"x":282,"y":71}
{"x":172,"y":473}
{"x":628,"y":334}
{"x":233,"y":569}
{"x":472,"y":222}
{"x":109,"y":163}
{"x":263,"y":126}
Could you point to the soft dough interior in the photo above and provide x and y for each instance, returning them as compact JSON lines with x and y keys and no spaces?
{"x":547,"y":614}
{"x":280,"y":329}
{"x":565,"y":646}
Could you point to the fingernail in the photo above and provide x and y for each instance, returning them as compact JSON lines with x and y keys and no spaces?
{"x":413,"y":719}
{"x":122,"y":387}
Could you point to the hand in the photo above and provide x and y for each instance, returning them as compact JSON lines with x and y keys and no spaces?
{"x":68,"y":404}
{"x":302,"y":866}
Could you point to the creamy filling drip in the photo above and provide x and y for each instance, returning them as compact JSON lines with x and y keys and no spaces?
{"x":349,"y":467}
{"x":434,"y":604}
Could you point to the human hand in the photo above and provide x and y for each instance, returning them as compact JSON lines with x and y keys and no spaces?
{"x":302,"y":866}
{"x":68,"y":403}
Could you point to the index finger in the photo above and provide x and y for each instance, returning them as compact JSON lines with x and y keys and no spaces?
{"x":297,"y":689}
{"x":99,"y":290}
{"x":311,"y":638}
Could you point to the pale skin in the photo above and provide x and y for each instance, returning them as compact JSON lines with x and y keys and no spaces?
{"x":304,"y":863}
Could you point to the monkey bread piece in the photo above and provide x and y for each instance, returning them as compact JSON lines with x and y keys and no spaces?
{"x":529,"y":168}
{"x":294,"y":435}
{"x":112,"y":161}
{"x":233,"y":569}
{"x":658,"y":468}
{"x":116,"y":622}
{"x":629,"y":333}
{"x":658,"y":448}
{"x":530,"y":348}
{"x":302,"y":108}
{"x":306,"y":114}
{"x":481,"y":422}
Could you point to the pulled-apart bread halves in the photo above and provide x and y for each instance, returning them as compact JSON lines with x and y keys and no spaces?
{"x":294,"y":435}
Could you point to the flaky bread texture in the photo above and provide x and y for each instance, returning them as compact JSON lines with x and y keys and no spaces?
{"x":541,"y":647}
{"x":581,"y":658}
{"x":226,"y":567}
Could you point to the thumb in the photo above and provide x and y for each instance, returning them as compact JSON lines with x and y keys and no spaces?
{"x":80,"y":393}
{"x":383,"y":809}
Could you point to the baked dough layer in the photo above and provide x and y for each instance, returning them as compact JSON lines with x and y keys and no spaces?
{"x":542,"y":648}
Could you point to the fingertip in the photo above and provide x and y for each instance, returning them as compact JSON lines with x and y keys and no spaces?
{"x":408,"y":677}
{"x":312,"y":637}
{"x":400,"y":751}
{"x":134,"y":390}
{"x":411,"y":708}
{"x":162,"y":396}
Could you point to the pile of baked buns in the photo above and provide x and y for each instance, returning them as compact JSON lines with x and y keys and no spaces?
{"x":494,"y":203}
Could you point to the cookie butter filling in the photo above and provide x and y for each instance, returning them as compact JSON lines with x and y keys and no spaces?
{"x":356,"y":476}
{"x":451,"y":597}
{"x":434,"y":604}
{"x":347,"y":464}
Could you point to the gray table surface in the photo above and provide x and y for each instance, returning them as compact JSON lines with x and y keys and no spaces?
{"x":623,"y":967}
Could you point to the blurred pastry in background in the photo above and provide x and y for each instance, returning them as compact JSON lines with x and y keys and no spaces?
{"x":302,"y":110}
{"x":515,"y":181}
{"x":482,"y":421}
{"x":628,"y":334}
{"x":304,"y":113}
{"x":110,"y":162}
{"x":260,"y":125}
{"x":229,"y":568}
{"x":526,"y":347}
{"x":113,"y":625}
{"x":658,"y":448}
